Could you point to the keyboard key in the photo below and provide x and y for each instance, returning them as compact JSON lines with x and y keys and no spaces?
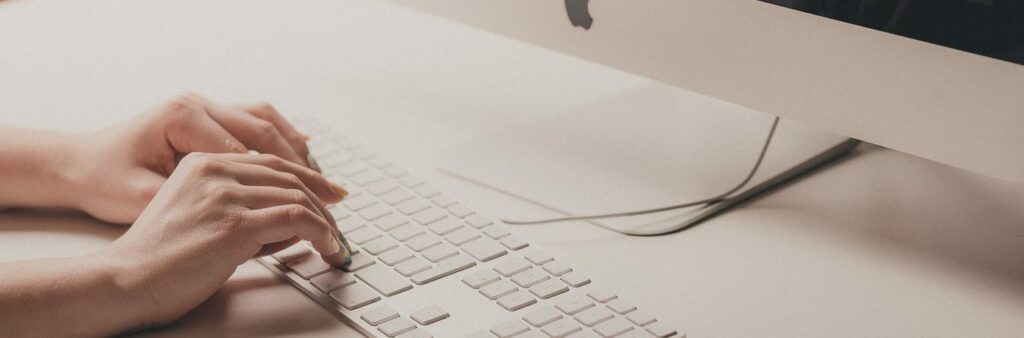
{"x":396,"y":196}
{"x":396,"y":255}
{"x":575,"y":279}
{"x":460,"y":210}
{"x":416,"y":333}
{"x":354,"y":296}
{"x":513,"y":243}
{"x":349,"y":224}
{"x":351,"y":168}
{"x":574,"y":305}
{"x":445,"y":226}
{"x":379,"y":315}
{"x":481,"y":278}
{"x":379,"y":245}
{"x":297,"y":250}
{"x":601,"y":295}
{"x":412,"y":266}
{"x":428,"y":215}
{"x":379,"y":162}
{"x":548,"y":289}
{"x":362,"y":152}
{"x":510,"y":328}
{"x":613,"y":327}
{"x":358,"y":202}
{"x":380,"y":187}
{"x":620,"y":306}
{"x":557,"y":268}
{"x":446,"y":267}
{"x":390,"y":221}
{"x":410,"y":182}
{"x":538,"y":257}
{"x":497,"y":289}
{"x":462,"y":236}
{"x":586,"y":334}
{"x":406,"y":231}
{"x":594,"y":316}
{"x":427,"y":191}
{"x":516,"y":300}
{"x":308,"y":266}
{"x":532,"y":334}
{"x":443,"y":201}
{"x":439,"y":252}
{"x":561,"y":328}
{"x":530,"y":277}
{"x":484,"y":250}
{"x":429,"y":315}
{"x":384,"y":280}
{"x":661,"y":330}
{"x":397,"y":326}
{"x":512,"y":266}
{"x":366,"y":177}
{"x":496,"y":232}
{"x":332,"y":280}
{"x":412,"y":206}
{"x":640,"y":318}
{"x":374,"y":212}
{"x":420,"y":243}
{"x":362,"y":235}
{"x":481,"y":334}
{"x":395,"y":172}
{"x":542,"y":316}
{"x":359,"y":261}
{"x":478,"y":221}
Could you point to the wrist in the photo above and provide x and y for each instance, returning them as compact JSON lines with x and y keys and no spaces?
{"x":122,"y":296}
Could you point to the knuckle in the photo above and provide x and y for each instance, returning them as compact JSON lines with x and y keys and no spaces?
{"x":293,"y":179}
{"x":297,"y":212}
{"x":271,"y":160}
{"x":296,"y":196}
{"x":222,"y":192}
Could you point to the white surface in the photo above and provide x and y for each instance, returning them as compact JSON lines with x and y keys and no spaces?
{"x":882,"y":244}
{"x":651,"y":147}
{"x":924,"y":99}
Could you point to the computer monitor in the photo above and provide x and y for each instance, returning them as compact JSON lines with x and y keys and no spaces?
{"x":920,"y":95}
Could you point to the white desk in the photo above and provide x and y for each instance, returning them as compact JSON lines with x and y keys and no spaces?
{"x":882,"y":244}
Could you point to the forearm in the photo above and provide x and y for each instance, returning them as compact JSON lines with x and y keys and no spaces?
{"x":65,"y":297}
{"x":33,"y":168}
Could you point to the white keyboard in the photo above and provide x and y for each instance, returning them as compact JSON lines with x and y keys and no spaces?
{"x":426,"y":265}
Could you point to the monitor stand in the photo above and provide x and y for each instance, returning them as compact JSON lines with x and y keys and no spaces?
{"x":646,"y":148}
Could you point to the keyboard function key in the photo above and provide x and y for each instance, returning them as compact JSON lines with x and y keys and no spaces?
{"x":379,"y":315}
{"x":354,"y":296}
{"x":429,"y":315}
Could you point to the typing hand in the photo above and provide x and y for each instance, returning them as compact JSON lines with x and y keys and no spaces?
{"x":215,"y":212}
{"x":117,"y":171}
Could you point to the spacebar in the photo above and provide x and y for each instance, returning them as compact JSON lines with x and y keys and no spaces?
{"x":445,"y":268}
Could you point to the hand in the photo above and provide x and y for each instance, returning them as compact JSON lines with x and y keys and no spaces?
{"x":116,"y":172}
{"x":215,"y":212}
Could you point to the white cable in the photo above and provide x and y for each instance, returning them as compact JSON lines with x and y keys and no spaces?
{"x":659,"y":232}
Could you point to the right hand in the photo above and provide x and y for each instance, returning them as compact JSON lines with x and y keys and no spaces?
{"x":215,"y":212}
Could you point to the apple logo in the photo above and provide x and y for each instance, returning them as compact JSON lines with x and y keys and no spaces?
{"x":579,"y":13}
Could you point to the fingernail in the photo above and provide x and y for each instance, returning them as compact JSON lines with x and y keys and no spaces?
{"x":335,"y":248}
{"x":338,"y":189}
{"x":305,"y":138}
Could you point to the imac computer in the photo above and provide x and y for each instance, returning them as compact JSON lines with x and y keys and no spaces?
{"x":940,"y":80}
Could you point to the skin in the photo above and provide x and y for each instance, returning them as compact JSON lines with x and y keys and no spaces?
{"x":198,"y":202}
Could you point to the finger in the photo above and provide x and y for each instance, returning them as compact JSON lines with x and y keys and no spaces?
{"x":268,"y":187}
{"x":268,"y":113}
{"x":191,"y":129}
{"x":256,"y":134}
{"x":326,"y":190}
{"x":282,"y":222}
{"x":272,"y":248}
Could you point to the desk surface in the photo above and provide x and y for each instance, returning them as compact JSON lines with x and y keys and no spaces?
{"x":880,"y":244}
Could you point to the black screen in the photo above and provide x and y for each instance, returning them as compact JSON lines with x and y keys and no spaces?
{"x":994,"y":28}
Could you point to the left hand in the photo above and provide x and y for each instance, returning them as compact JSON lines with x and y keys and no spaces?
{"x":117,"y":171}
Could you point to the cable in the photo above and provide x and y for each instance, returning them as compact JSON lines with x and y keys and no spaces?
{"x":659,"y":232}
